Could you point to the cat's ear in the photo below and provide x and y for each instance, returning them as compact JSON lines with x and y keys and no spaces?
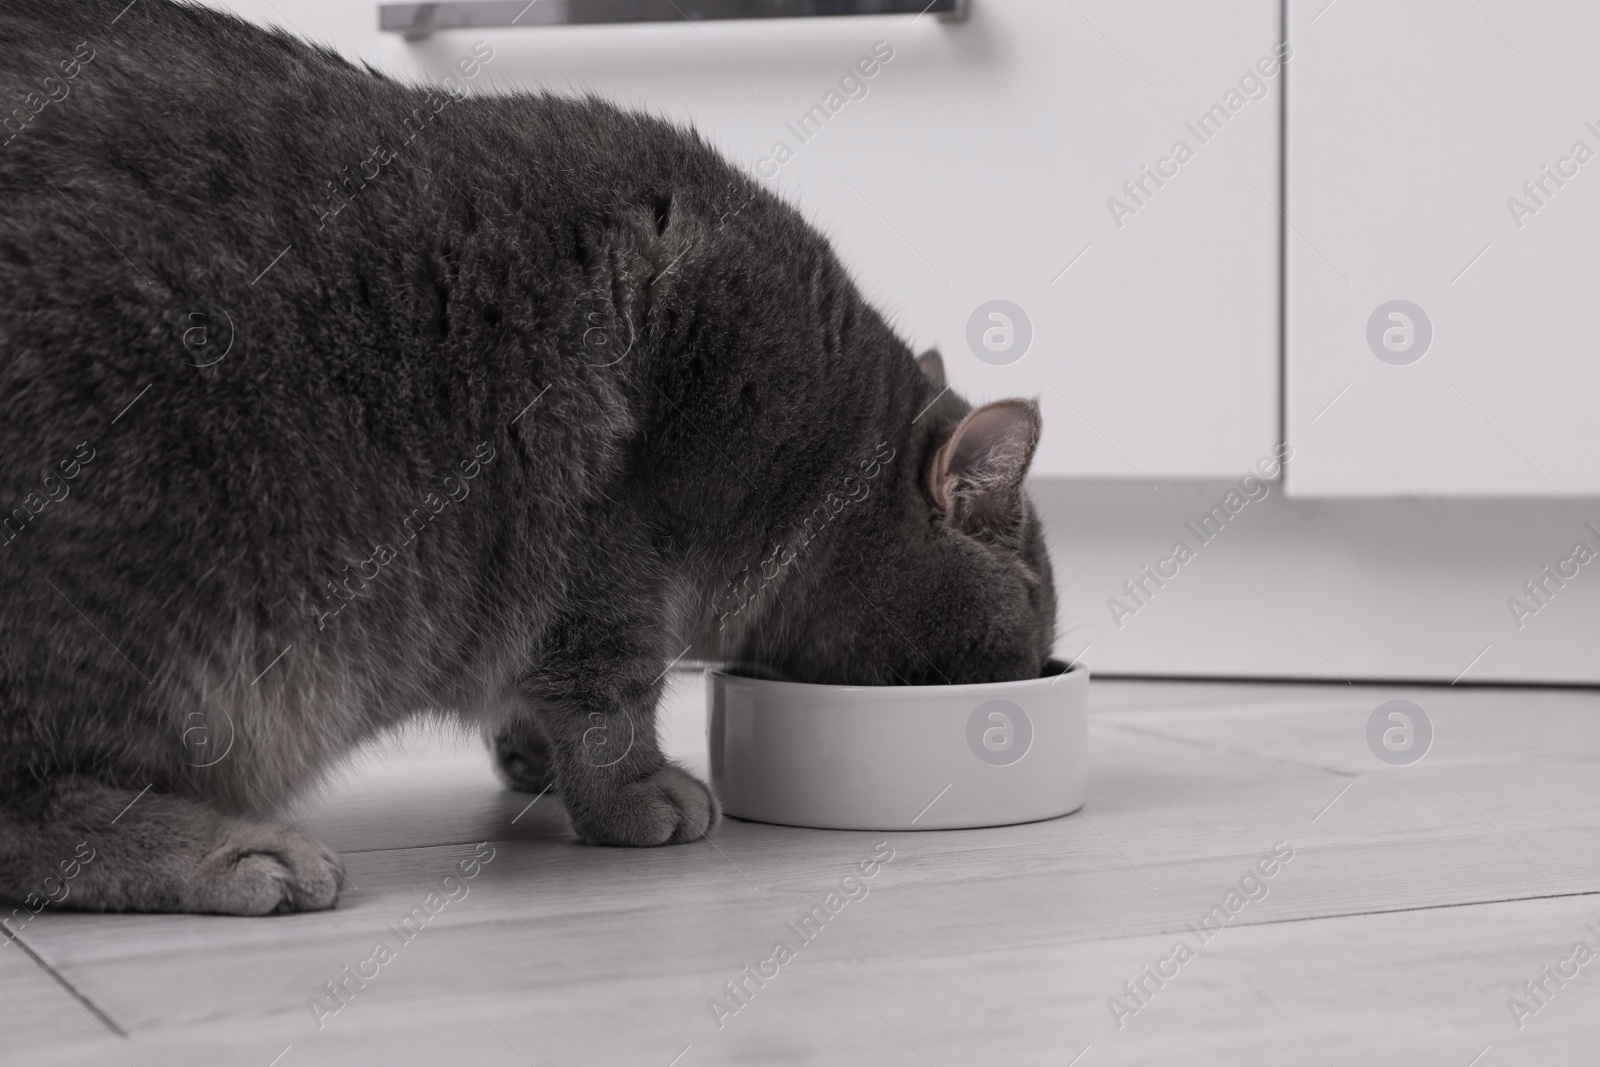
{"x":975,"y":477}
{"x":933,"y":366}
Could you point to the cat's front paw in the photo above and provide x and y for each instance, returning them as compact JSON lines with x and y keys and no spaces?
{"x":522,"y":760}
{"x":669,"y":807}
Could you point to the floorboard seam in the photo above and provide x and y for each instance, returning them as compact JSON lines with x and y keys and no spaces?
{"x":1145,"y":731}
{"x":60,"y":979}
{"x":1348,"y":683}
{"x":1417,"y":907}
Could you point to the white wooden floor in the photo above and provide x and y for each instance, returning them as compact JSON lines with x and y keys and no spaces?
{"x":1414,"y":907}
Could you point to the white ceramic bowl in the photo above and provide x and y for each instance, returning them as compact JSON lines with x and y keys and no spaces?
{"x":916,"y":757}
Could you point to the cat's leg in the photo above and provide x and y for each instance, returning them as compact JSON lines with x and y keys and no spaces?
{"x":597,"y":705}
{"x":80,"y":844}
{"x":521,"y":753}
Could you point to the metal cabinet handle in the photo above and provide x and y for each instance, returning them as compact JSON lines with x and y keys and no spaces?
{"x":418,"y":20}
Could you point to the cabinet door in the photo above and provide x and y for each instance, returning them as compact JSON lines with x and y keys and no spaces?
{"x":1444,"y":197}
{"x":983,"y":162}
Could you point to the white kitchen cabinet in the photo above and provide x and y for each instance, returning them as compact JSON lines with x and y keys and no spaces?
{"x":979,"y":165}
{"x":1444,"y":153}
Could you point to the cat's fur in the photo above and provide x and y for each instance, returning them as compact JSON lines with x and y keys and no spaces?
{"x":558,"y":397}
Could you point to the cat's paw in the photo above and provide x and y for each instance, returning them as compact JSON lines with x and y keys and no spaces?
{"x":522,"y":761}
{"x":669,"y":807}
{"x":265,"y":870}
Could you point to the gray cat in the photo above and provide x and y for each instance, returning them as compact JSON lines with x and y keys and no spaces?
{"x":327,"y":401}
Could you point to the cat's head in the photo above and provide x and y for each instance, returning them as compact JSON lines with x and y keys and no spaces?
{"x":939,"y":575}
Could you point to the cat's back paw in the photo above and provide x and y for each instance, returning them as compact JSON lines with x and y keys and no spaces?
{"x":265,"y":870}
{"x":670,"y":807}
{"x":162,"y":852}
